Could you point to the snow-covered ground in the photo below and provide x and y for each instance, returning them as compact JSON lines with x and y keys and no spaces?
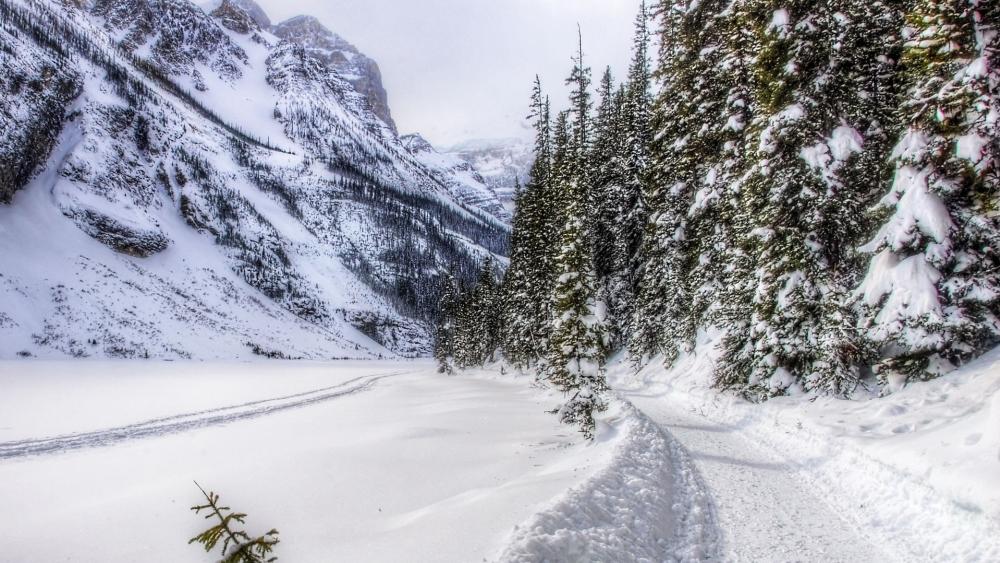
{"x":351,"y":461}
{"x":390,"y":461}
{"x":914,"y":476}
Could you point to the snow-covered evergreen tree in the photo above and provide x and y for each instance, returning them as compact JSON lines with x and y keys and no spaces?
{"x":527,"y":283}
{"x":699,"y":118}
{"x":576,"y":352}
{"x":800,"y":208}
{"x":444,"y":334}
{"x":636,"y":115}
{"x":932,"y":293}
{"x":609,"y":178}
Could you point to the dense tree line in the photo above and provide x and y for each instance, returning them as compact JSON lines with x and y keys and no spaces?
{"x":819,"y":183}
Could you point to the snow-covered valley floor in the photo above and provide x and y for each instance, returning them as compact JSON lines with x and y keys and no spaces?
{"x":351,"y":461}
{"x":390,"y":461}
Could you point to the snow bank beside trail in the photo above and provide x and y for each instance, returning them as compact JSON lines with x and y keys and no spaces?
{"x":646,"y":505}
{"x":917,"y":471}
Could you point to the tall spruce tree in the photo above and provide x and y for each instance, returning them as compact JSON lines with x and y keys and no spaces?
{"x":578,"y":346}
{"x":699,"y":119}
{"x":528,"y":282}
{"x":637,"y":137}
{"x":444,"y":334}
{"x":931,"y":298}
{"x":576,"y":352}
{"x":610,"y":175}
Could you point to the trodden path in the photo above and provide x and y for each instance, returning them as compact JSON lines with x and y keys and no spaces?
{"x":763,"y":510}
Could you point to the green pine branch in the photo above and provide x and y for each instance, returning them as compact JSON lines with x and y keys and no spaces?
{"x":237,"y":545}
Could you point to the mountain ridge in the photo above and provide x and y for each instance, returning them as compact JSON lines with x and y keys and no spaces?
{"x":180,"y":238}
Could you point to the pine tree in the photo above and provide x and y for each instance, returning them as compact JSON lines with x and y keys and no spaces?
{"x":576,"y":353}
{"x":931,"y":298}
{"x":580,"y":106}
{"x":635,"y":103}
{"x":699,"y":118}
{"x":608,"y":188}
{"x":527,"y":283}
{"x":444,"y":334}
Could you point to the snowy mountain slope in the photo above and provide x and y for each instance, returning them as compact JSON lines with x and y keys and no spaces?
{"x":502,"y":163}
{"x":182,"y":207}
{"x":460,"y":177}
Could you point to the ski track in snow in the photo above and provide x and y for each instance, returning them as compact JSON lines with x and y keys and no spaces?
{"x":764,"y":511}
{"x":189,"y":421}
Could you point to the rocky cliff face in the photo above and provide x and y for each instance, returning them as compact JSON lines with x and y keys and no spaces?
{"x":232,"y":16}
{"x":175,"y":35}
{"x":256,"y":13}
{"x":332,"y":50}
{"x":271,"y":212}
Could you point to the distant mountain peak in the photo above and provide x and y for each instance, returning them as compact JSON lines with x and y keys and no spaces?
{"x":461,"y":179}
{"x":256,"y":13}
{"x":234,"y":17}
{"x":341,"y":56}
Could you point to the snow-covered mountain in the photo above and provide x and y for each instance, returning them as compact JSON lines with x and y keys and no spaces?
{"x":178,"y":184}
{"x":361,"y":71}
{"x":501,"y":162}
{"x":463,"y":181}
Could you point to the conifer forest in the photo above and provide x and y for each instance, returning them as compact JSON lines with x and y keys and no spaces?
{"x":818,"y":181}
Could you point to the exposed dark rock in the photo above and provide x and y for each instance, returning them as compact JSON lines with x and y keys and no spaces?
{"x":177,"y":33}
{"x":254,"y":11}
{"x":141,"y":243}
{"x":234,"y":18}
{"x":45,"y":89}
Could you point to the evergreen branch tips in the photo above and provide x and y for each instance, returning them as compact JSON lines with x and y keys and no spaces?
{"x":237,"y":545}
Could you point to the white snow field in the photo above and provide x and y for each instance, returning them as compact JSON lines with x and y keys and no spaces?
{"x":351,"y":461}
{"x":389,"y":461}
{"x":914,"y":476}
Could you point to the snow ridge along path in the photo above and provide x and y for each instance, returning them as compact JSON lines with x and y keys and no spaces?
{"x":648,"y":504}
{"x":189,"y":421}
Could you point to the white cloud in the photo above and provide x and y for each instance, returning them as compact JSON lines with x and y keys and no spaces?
{"x":460,"y":69}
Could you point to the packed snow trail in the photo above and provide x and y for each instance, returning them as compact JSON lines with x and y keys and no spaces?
{"x":189,"y":421}
{"x":764,"y":511}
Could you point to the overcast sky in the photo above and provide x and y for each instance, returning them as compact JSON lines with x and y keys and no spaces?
{"x":462,"y":69}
